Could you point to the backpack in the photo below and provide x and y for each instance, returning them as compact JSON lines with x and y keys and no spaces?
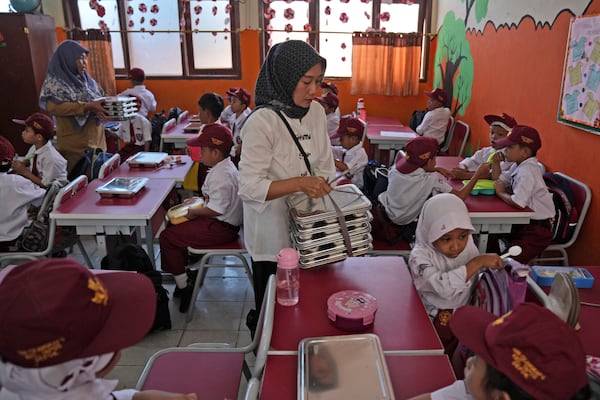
{"x":174,"y":113}
{"x":157,"y":121}
{"x":416,"y":118}
{"x":132,"y":257}
{"x":89,"y":164}
{"x":567,"y":215}
{"x":373,"y":182}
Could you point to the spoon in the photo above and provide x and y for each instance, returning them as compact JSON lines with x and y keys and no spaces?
{"x":512,"y":252}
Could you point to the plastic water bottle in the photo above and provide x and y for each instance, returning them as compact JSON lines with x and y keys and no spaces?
{"x":288,"y":277}
{"x":360,"y":104}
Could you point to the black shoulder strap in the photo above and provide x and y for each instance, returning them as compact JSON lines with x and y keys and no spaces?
{"x":289,"y":128}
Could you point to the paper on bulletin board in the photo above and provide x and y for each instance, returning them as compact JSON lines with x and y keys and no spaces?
{"x":580,"y":93}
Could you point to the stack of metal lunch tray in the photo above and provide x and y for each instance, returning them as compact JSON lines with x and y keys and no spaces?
{"x":315,"y":228}
{"x":120,"y":108}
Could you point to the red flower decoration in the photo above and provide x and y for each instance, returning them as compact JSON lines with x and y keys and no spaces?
{"x":130,"y":23}
{"x":228,"y":8}
{"x":344,"y":17}
{"x":344,"y":59}
{"x":343,"y":45}
{"x":289,"y":1}
{"x":288,"y":13}
{"x":154,"y":9}
{"x":215,"y":10}
{"x":327,"y":10}
{"x":214,"y":34}
{"x":153,"y":22}
{"x":289,"y":28}
{"x":197,"y":10}
{"x":366,"y":1}
{"x":367,"y":15}
{"x":142,"y":20}
{"x":269,"y":13}
{"x":307,"y":27}
{"x":129,"y":10}
{"x":384,"y":16}
{"x":197,"y":21}
{"x":142,"y":29}
{"x":344,"y":1}
{"x":142,"y":7}
{"x":101,"y":11}
{"x":101,"y":24}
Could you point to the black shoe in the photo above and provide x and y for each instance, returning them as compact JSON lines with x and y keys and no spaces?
{"x":251,"y":322}
{"x":177,"y":293}
{"x":185,"y":298}
{"x":191,"y":278}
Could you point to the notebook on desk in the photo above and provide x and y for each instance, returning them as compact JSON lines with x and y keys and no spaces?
{"x":407,"y":135}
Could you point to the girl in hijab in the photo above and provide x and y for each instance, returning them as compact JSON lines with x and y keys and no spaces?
{"x":445,"y":261}
{"x":271,"y":165}
{"x":72,"y":97}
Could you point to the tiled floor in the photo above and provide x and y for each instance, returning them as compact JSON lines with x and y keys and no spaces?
{"x":219,"y":317}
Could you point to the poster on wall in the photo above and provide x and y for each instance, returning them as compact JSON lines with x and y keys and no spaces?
{"x":580,"y":93}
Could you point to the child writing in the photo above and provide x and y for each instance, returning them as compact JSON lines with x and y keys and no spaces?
{"x":523,"y":186}
{"x":138,"y":89}
{"x":63,"y":329}
{"x":500,"y":126}
{"x":410,"y":183}
{"x":47,"y":164}
{"x":239,"y":99}
{"x":435,"y":122}
{"x":217,"y":222}
{"x":136,"y":132}
{"x":445,"y":260}
{"x":330,"y":103}
{"x":350,"y":157}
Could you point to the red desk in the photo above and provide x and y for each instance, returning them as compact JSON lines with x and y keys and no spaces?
{"x":177,"y":173}
{"x":176,"y":136}
{"x":410,"y":375}
{"x":489,"y":214}
{"x":394,"y":141}
{"x":401,"y":322}
{"x":93,"y":215}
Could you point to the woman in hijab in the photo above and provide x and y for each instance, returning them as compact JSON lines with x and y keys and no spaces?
{"x":444,"y":261}
{"x":71,"y":96}
{"x":271,"y":165}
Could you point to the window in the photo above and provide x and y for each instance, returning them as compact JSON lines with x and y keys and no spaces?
{"x":328,"y":25}
{"x":167,"y":38}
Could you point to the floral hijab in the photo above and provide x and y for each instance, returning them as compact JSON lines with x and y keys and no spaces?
{"x":285,"y":64}
{"x":64,"y":84}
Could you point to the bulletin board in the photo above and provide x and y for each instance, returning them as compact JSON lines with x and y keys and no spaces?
{"x":580,"y":92}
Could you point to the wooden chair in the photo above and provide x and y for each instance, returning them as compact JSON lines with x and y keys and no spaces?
{"x":168,"y":126}
{"x":211,"y":371}
{"x":109,"y":166}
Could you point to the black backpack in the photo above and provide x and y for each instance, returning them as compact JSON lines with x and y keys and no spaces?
{"x":416,"y":118}
{"x":157,"y":121}
{"x":567,"y":214}
{"x":132,"y":257}
{"x":89,"y":165}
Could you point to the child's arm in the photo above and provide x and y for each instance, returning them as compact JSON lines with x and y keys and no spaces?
{"x":21,"y":169}
{"x":490,"y":260}
{"x":340,"y":165}
{"x":194,"y":213}
{"x":501,"y":192}
{"x":483,"y":170}
{"x":496,"y":160}
{"x":445,"y":172}
{"x":160,"y":395}
{"x":461,"y":173}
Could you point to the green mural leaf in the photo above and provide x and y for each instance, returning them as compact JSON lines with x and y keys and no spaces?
{"x":481,"y":8}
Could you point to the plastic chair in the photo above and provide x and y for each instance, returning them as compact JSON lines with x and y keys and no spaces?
{"x":583,"y":198}
{"x":168,"y":126}
{"x":252,"y":390}
{"x":109,"y":166}
{"x":183,"y":117}
{"x":63,"y":195}
{"x":448,"y":137}
{"x":211,"y":372}
{"x":457,"y":140}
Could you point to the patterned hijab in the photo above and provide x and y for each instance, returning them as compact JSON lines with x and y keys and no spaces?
{"x":64,"y":84}
{"x":285,"y":64}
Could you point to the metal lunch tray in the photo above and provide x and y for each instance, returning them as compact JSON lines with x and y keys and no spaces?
{"x":304,"y":233}
{"x":317,"y":261}
{"x":122,"y":187}
{"x":349,"y":218}
{"x":147,"y":159}
{"x":334,"y":237}
{"x":345,"y":367}
{"x":357,"y":242}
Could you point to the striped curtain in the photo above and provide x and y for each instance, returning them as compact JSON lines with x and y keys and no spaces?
{"x":100,"y":60}
{"x":386,"y":63}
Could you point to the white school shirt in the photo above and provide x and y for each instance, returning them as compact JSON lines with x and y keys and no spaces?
{"x":354,"y":156}
{"x":142,"y":129}
{"x":147,"y":97}
{"x":50,"y":164}
{"x":236,"y":127}
{"x":269,"y":154}
{"x":220,"y":191}
{"x":17,"y":194}
{"x":333,"y":123}
{"x":455,"y":391}
{"x":529,"y":189}
{"x":480,"y":157}
{"x":406,"y":193}
{"x":435,"y":124}
{"x":227,"y":116}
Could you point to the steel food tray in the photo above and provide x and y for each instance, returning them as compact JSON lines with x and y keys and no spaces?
{"x":333,"y":254}
{"x":349,"y":218}
{"x":304,"y":233}
{"x":343,"y":367}
{"x":333,"y":237}
{"x":335,"y":247}
{"x":147,"y":159}
{"x":122,"y":187}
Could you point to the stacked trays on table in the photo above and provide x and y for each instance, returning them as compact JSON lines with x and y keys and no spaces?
{"x":120,"y":108}
{"x":315,"y":228}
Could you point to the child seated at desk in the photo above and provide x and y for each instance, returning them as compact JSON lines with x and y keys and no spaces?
{"x":500,"y":126}
{"x":445,"y":260}
{"x":435,"y":122}
{"x":351,"y":154}
{"x":47,"y":164}
{"x":136,"y":132}
{"x":526,"y":354}
{"x":217,"y":222}
{"x":137,"y":76}
{"x":410,"y":183}
{"x":239,"y":99}
{"x":330,"y":103}
{"x":523,"y":186}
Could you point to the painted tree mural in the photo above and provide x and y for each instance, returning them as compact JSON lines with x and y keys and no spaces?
{"x":453,"y":60}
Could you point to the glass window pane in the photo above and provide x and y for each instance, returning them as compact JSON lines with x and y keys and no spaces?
{"x":285,"y":14}
{"x":400,"y":17}
{"x":91,"y":20}
{"x":4,"y":6}
{"x":212,"y":49}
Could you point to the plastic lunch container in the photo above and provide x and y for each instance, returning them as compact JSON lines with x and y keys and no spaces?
{"x":352,"y":310}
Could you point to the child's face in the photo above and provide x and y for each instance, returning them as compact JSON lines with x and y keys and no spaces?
{"x":475,"y":372}
{"x":517,"y":153}
{"x":453,"y":243}
{"x":348,"y":141}
{"x":307,"y":86}
{"x":236,"y":105}
{"x":430,"y":165}
{"x":210,"y":156}
{"x":204,"y":115}
{"x":29,"y":136}
{"x":324,"y":91}
{"x":432,"y":104}
{"x":497,"y":133}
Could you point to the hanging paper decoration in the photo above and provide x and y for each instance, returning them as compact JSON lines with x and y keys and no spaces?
{"x":366,"y":1}
{"x":289,"y":28}
{"x":130,"y":24}
{"x":100,"y":10}
{"x":153,"y":22}
{"x":344,"y":1}
{"x":103,"y":26}
{"x":154,"y":9}
{"x":142,"y":7}
{"x":214,"y":10}
{"x":344,"y":59}
{"x":327,"y":10}
{"x":142,"y":20}
{"x":197,"y":10}
{"x":344,"y":17}
{"x":343,"y":45}
{"x":269,"y":14}
{"x":384,"y":16}
{"x":129,"y":10}
{"x":307,"y":27}
{"x":228,"y":9}
{"x":288,"y":13}
{"x":367,"y":15}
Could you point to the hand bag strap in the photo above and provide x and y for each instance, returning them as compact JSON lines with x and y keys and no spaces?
{"x":289,"y":128}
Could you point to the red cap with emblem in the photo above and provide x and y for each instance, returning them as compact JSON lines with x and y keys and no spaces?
{"x":216,"y":136}
{"x":418,"y":151}
{"x":521,"y":134}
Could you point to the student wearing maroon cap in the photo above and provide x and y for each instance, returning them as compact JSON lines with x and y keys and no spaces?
{"x":526,"y":354}
{"x":523,"y":186}
{"x":17,"y":194}
{"x":350,"y":158}
{"x":239,"y":99}
{"x":136,"y":133}
{"x":330,"y":103}
{"x":62,"y":329}
{"x":138,"y":89}
{"x":217,"y":222}
{"x":435,"y":122}
{"x":47,"y":164}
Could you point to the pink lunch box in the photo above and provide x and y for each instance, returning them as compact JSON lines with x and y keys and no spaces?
{"x":352,"y":310}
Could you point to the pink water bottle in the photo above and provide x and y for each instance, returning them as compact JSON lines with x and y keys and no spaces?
{"x":288,"y":277}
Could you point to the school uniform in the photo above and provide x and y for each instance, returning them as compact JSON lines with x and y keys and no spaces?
{"x":48,"y":164}
{"x":480,"y":157}
{"x":220,"y":190}
{"x":333,"y":122}
{"x":435,"y":124}
{"x":455,"y":391}
{"x":236,"y":123}
{"x":146,"y":97}
{"x":353,"y":157}
{"x":135,"y":132}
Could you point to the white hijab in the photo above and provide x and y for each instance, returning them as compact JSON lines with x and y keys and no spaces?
{"x":441,"y":214}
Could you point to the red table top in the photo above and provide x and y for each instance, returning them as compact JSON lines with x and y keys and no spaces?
{"x":177,"y":173}
{"x":178,"y":130}
{"x":401,"y":321}
{"x":410,"y":375}
{"x":375,"y":125}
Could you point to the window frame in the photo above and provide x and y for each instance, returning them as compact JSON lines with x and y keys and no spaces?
{"x":73,"y":21}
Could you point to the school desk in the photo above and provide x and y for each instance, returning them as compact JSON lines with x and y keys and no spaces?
{"x":177,"y":136}
{"x":387,"y":133}
{"x":94,"y":215}
{"x":401,"y":321}
{"x":177,"y":172}
{"x":489,"y":214}
{"x":410,"y":375}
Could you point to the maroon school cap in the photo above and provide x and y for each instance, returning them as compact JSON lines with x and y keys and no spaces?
{"x":331,"y":86}
{"x":439,"y":95}
{"x":349,"y":126}
{"x":7,"y":151}
{"x":330,"y":99}
{"x":504,"y":121}
{"x":55,"y":310}
{"x":41,"y":124}
{"x":521,"y":134}
{"x":216,"y":136}
{"x":530,"y":345}
{"x":242,"y":94}
{"x":417,"y":152}
{"x":137,"y":74}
